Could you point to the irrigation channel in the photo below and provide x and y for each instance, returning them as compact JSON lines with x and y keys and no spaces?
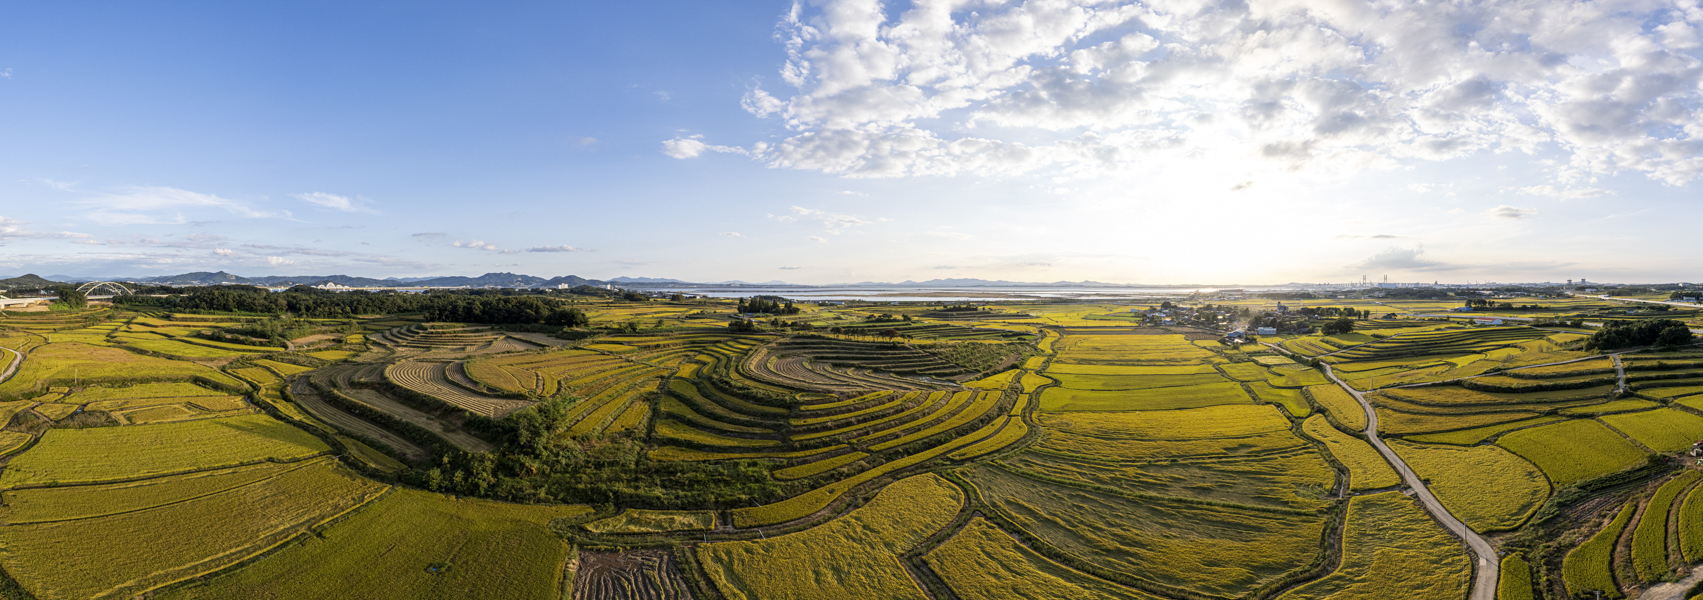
{"x":1488,"y":568}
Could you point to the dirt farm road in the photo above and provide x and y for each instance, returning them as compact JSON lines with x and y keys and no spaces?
{"x":1488,"y":566}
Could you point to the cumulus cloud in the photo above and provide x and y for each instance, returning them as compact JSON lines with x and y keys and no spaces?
{"x":336,"y":202}
{"x":279,"y":261}
{"x":554,"y":249}
{"x":1511,"y":212}
{"x":693,"y":147}
{"x":225,"y":252}
{"x":475,"y":245}
{"x":940,"y":88}
{"x":818,"y":239}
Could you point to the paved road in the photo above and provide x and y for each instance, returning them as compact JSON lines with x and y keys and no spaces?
{"x":17,"y":359}
{"x":1484,"y":588}
{"x":1619,"y":375}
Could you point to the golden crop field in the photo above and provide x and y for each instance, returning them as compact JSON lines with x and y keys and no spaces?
{"x":1391,"y":549}
{"x":491,"y":551}
{"x":134,"y":552}
{"x":114,"y":453}
{"x":1367,"y":470}
{"x":1486,"y":487}
{"x":980,"y":561}
{"x":66,"y":363}
{"x":653,"y":521}
{"x":1573,"y":450}
{"x":855,"y":556}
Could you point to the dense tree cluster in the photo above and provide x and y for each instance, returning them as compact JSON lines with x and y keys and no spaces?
{"x":467,"y":306}
{"x":72,"y":298}
{"x":773,"y":305}
{"x":1339,"y":326}
{"x":1654,"y":332}
{"x":539,"y":463}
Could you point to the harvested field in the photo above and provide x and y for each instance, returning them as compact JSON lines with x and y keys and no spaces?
{"x":309,"y":400}
{"x":635,"y":574}
{"x":430,"y":378}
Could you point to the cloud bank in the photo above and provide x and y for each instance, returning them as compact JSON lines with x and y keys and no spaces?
{"x":944,"y":87}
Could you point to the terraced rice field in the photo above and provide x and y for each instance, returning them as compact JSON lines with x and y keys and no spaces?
{"x":1574,"y":450}
{"x":1589,"y":568}
{"x":1485,"y":487}
{"x":66,"y":456}
{"x":145,"y":546}
{"x":834,"y":365}
{"x":855,"y":556}
{"x":981,"y":561}
{"x":483,"y":549}
{"x":1162,"y":545}
{"x":649,"y":574}
{"x":431,"y":378}
{"x":1392,"y":549}
{"x":653,"y":521}
{"x":1367,"y":470}
{"x":68,"y":363}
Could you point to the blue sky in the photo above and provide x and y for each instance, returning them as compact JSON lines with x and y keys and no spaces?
{"x":852,"y":140}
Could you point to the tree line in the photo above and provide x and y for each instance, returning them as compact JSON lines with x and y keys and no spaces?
{"x":497,"y":307}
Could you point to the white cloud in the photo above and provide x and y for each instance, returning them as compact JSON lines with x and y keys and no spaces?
{"x":1085,"y":86}
{"x":1510,"y":212}
{"x":225,"y":252}
{"x":693,"y":147}
{"x":336,"y":202}
{"x":13,"y":229}
{"x":834,"y":223}
{"x":563,"y":248}
{"x":6,"y":73}
{"x":1565,"y":194}
{"x":587,"y":141}
{"x":790,"y":268}
{"x":475,"y":245}
{"x":277,"y":261}
{"x":732,"y":234}
{"x":818,"y":239}
{"x":150,"y":205}
{"x":947,"y":232}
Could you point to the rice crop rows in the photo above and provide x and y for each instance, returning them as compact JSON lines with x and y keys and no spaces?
{"x":855,"y":556}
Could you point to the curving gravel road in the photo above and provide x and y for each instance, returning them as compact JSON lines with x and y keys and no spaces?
{"x":1488,"y":567}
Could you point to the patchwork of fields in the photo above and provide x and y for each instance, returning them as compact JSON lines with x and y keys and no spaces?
{"x":1033,"y":451}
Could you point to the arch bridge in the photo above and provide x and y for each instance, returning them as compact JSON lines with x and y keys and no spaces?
{"x":112,"y":287}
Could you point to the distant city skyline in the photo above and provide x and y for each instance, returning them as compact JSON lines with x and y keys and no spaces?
{"x":850,"y":140}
